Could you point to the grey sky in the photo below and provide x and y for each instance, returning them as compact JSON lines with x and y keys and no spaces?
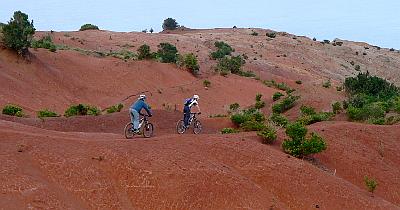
{"x":376,"y":22}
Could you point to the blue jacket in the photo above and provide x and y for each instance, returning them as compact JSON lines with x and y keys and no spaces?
{"x":139,"y":105}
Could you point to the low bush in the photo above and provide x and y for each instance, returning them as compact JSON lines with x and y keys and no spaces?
{"x":13,"y":110}
{"x":230,"y":65}
{"x":268,"y":135}
{"x":299,"y":82}
{"x":369,"y":111}
{"x":167,"y":53}
{"x":281,"y":86}
{"x":234,"y":107}
{"x":252,"y":125}
{"x":144,"y":52}
{"x":115,"y":108}
{"x":377,"y":121}
{"x":46,"y":113}
{"x":82,"y":109}
{"x":299,"y":145}
{"x":252,"y":116}
{"x":277,"y":96}
{"x":223,"y":49}
{"x":254,"y":33}
{"x":336,"y":107}
{"x":122,"y":54}
{"x":307,"y":110}
{"x":370,"y":183}
{"x":271,"y":35}
{"x":206,"y":83}
{"x":246,"y":74}
{"x":88,"y":26}
{"x":279,"y":120}
{"x":191,"y":63}
{"x":357,"y":67}
{"x":229,"y":130}
{"x":286,"y":104}
{"x":45,"y":42}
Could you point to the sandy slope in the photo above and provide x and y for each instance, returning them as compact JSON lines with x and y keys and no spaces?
{"x":85,"y":163}
{"x":97,"y":170}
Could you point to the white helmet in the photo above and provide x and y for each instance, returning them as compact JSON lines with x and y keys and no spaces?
{"x":196,"y":97}
{"x":142,"y":96}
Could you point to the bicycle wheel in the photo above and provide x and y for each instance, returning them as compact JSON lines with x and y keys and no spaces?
{"x":128,"y":131}
{"x":197,"y":127}
{"x":180,"y":127}
{"x":148,"y":130}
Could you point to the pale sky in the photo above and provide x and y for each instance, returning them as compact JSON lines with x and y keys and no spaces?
{"x":372,"y":21}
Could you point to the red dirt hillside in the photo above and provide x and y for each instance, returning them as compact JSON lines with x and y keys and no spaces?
{"x":85,"y":162}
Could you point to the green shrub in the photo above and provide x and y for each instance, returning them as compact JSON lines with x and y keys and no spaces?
{"x":246,"y":74}
{"x":370,"y":183}
{"x":252,"y":125}
{"x":115,"y":108}
{"x":268,"y":135}
{"x":250,"y":115}
{"x":307,"y":110}
{"x":18,"y":33}
{"x":81,"y":109}
{"x":122,"y":54}
{"x":299,"y":82}
{"x":259,"y":104}
{"x":46,"y":113}
{"x":339,"y":88}
{"x":167,"y":53}
{"x":206,"y":83}
{"x":254,"y":33}
{"x":374,"y":86}
{"x":277,"y":96}
{"x":45,"y":42}
{"x":88,"y":26}
{"x":234,"y":107}
{"x":336,"y":107}
{"x":13,"y":110}
{"x":299,"y":145}
{"x":170,"y":24}
{"x":369,"y":111}
{"x":190,"y":61}
{"x":231,"y":65}
{"x":286,"y":104}
{"x":271,"y":35}
{"x":228,"y":130}
{"x":144,"y":52}
{"x":258,"y":97}
{"x":223,"y":50}
{"x":377,"y":121}
{"x":327,"y":84}
{"x":279,"y":120}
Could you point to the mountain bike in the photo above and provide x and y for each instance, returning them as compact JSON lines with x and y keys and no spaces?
{"x":145,"y":127}
{"x":180,"y":126}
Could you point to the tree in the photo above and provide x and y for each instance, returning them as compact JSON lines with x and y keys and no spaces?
{"x":151,"y":30}
{"x":18,"y":33}
{"x":170,"y":24}
{"x":88,"y":26}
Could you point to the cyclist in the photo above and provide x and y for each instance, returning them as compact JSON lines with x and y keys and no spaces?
{"x":135,"y":109}
{"x":189,"y":103}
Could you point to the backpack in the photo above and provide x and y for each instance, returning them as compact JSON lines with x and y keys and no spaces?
{"x":187,"y":101}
